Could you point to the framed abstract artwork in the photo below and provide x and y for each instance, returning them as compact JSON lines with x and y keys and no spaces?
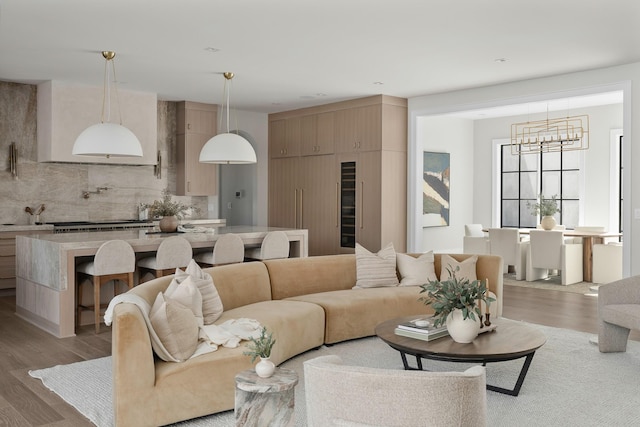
{"x":435,"y":189}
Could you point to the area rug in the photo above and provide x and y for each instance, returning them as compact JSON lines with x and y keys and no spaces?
{"x":570,"y":383}
{"x":552,"y":284}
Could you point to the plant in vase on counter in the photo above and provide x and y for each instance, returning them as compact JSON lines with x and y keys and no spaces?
{"x":454,"y":300}
{"x":169,"y":211}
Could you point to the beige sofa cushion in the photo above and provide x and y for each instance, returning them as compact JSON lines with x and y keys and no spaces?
{"x":465,"y":269}
{"x":176,"y":326}
{"x":416,"y":271}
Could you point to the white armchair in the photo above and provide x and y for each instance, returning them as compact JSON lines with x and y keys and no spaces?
{"x":549,"y":251}
{"x":506,"y":243}
{"x":341,"y":395}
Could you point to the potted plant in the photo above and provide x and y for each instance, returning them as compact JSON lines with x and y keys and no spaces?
{"x":260,"y":347}
{"x":168,"y":210}
{"x":546,"y":208}
{"x":456,"y":302}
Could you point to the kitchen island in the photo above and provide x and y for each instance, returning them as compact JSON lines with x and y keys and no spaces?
{"x":45,"y":270}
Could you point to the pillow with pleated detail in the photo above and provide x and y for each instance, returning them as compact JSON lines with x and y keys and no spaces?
{"x":187,"y":294}
{"x":462,"y":269}
{"x":212,"y":307}
{"x":375,"y":270}
{"x":416,"y":271}
{"x":176,"y":327}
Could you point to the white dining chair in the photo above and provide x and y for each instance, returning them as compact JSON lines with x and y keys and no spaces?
{"x":173,"y":252}
{"x":548,"y":251}
{"x":607,"y":262}
{"x":505,"y":242}
{"x":274,"y":245}
{"x":227,"y":249}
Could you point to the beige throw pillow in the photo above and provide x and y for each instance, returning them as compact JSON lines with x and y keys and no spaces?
{"x":467,"y":267}
{"x":176,"y":327}
{"x":416,"y":271}
{"x":375,"y":270}
{"x":187,"y":294}
{"x":212,"y":307}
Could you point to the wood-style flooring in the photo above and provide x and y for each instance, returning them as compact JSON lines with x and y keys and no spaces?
{"x":24,"y":401}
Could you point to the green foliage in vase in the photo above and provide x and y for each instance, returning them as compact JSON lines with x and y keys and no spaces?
{"x":545,"y":207}
{"x":453,"y":293}
{"x":168,"y":207}
{"x":261,"y":346}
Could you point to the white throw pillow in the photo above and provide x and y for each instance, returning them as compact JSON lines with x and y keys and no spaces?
{"x":187,"y":294}
{"x":375,"y":270}
{"x":416,"y":271}
{"x":212,"y":307}
{"x":175,"y":326}
{"x":467,"y":267}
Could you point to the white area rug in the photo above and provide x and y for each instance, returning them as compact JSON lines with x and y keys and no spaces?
{"x":570,"y":383}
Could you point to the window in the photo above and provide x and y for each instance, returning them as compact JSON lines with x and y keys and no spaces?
{"x":524,"y":177}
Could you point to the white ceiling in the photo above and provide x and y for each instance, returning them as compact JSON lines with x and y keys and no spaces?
{"x":290,"y":54}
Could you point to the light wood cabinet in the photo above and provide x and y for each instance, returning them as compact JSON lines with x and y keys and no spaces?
{"x":8,"y":256}
{"x":285,"y":135}
{"x":369,"y":135}
{"x":196,"y":124}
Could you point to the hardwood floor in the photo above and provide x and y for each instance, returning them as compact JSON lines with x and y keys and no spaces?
{"x":24,"y":401}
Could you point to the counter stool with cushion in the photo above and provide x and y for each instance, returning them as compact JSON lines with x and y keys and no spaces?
{"x":174,"y":252}
{"x":228,"y":249}
{"x":114,"y":261}
{"x":274,"y":245}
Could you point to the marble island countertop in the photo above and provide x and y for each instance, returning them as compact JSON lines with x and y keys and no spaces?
{"x":25,"y":227}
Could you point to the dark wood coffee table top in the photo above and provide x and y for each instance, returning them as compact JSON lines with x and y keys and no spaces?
{"x":510,"y":340}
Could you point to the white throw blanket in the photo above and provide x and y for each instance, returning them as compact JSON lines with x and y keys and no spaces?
{"x":227,"y":334}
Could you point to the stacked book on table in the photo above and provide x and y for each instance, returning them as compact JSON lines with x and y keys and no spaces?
{"x":425,"y":331}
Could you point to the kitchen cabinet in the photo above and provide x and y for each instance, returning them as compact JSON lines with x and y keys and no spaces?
{"x":285,"y":135}
{"x":8,"y":255}
{"x":312,"y":191}
{"x":196,"y":124}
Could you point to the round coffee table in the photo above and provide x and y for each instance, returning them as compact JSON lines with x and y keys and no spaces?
{"x":510,"y":340}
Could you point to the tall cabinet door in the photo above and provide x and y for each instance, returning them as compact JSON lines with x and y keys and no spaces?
{"x":284,"y":185}
{"x":368,"y":203}
{"x":319,"y":207}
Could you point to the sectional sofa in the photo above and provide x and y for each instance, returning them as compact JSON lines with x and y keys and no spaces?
{"x":305,"y":302}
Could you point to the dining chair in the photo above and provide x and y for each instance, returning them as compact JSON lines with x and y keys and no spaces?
{"x":607,"y":262}
{"x":227,"y":249}
{"x":274,"y":245}
{"x":114,"y":261}
{"x":473,"y":230}
{"x":173,"y":252}
{"x":505,"y":242}
{"x":548,"y":251}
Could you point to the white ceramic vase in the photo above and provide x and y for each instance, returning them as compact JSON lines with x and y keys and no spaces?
{"x":265,"y":367}
{"x":548,"y":223}
{"x":462,"y":330}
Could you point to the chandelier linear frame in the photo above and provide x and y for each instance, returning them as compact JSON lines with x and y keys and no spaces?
{"x":550,"y":135}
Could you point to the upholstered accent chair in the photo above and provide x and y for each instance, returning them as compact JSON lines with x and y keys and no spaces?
{"x":618,"y":313}
{"x":548,"y":251}
{"x":114,"y":261}
{"x":506,"y":243}
{"x":343,"y":395}
{"x":174,"y":252}
{"x":228,"y":249}
{"x":274,"y":245}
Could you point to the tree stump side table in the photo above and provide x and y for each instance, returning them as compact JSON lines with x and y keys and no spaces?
{"x":262,"y":402}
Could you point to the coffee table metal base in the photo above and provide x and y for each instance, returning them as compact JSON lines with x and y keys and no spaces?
{"x":511,"y":392}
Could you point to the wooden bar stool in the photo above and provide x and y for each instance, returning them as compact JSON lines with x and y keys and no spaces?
{"x":228,"y":249}
{"x":174,"y":252}
{"x":114,"y":261}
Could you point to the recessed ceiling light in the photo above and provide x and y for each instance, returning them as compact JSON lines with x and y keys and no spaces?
{"x":500,"y":60}
{"x":321,"y":94}
{"x":378,"y":83}
{"x":212,"y":49}
{"x":307,"y":97}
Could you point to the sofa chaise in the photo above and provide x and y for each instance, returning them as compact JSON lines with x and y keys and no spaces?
{"x":305,"y":302}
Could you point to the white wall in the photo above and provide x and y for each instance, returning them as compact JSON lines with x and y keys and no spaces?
{"x":625,"y":78}
{"x":454,"y":136}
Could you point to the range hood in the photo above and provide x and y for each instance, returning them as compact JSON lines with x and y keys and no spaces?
{"x":65,"y":110}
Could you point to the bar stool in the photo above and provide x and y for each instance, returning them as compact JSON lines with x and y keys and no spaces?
{"x":274,"y":245}
{"x":228,"y":249}
{"x":114,"y":261}
{"x":173,"y":252}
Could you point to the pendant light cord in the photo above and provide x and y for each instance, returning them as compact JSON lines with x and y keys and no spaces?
{"x":106,"y":94}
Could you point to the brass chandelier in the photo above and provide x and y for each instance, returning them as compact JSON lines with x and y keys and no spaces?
{"x":549,"y":135}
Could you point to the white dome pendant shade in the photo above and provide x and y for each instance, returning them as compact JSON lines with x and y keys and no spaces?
{"x":107,"y":139}
{"x":228,"y":148}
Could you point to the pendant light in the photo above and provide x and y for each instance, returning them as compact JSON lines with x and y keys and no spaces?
{"x":107,"y":139}
{"x":227,"y":148}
